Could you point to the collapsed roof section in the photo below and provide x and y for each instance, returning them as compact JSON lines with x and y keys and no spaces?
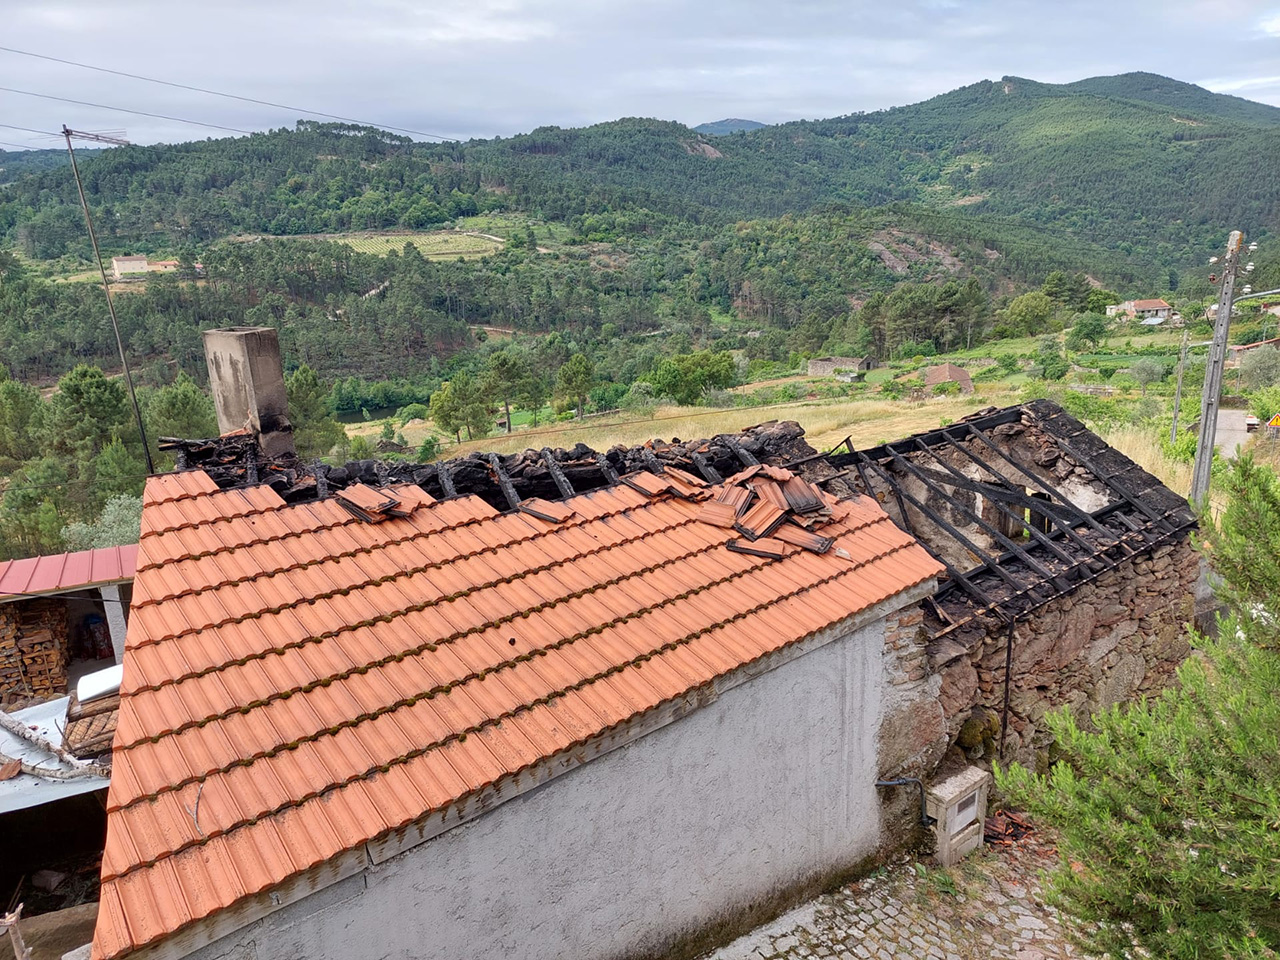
{"x":501,"y":480}
{"x":1021,"y":505}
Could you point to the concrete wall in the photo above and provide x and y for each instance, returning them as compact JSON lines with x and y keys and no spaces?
{"x":690,"y":827}
{"x":246,"y":378}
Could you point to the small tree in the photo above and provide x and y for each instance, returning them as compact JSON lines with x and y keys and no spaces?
{"x":1089,"y":329}
{"x":505,"y":373}
{"x":118,"y":523}
{"x":1147,"y":370}
{"x":446,"y":411}
{"x":1029,"y":314}
{"x":575,"y":380}
{"x":1167,"y":810}
{"x":1260,"y":368}
{"x":315,"y":429}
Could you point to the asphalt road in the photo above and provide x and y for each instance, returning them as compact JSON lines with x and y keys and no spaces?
{"x":1231,"y":433}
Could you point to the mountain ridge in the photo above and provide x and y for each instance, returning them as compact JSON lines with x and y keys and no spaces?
{"x":720,"y":128}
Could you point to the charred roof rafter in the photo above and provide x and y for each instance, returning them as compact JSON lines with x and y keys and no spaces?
{"x":1020,"y":449}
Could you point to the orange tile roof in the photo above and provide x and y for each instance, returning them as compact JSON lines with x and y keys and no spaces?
{"x":944,"y":372}
{"x":1150,"y":305}
{"x":306,"y":681}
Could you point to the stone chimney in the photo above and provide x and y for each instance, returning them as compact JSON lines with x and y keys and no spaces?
{"x":247,"y":381}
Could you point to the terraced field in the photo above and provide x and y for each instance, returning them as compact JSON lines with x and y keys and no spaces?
{"x":437,"y":245}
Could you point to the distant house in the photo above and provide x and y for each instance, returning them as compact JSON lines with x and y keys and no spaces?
{"x":827,"y":366}
{"x":124,"y":266}
{"x":1141,"y":309}
{"x":1236,"y":351}
{"x":948,"y":373}
{"x":121,"y":266}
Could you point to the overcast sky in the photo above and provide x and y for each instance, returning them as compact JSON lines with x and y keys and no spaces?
{"x":481,"y":68}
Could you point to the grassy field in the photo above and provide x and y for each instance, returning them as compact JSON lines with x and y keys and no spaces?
{"x":505,"y":224}
{"x":439,"y":244}
{"x":826,"y":423}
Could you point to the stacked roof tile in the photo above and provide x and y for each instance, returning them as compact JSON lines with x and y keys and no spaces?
{"x":302,"y":679}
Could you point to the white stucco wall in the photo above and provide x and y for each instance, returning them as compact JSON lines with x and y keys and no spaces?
{"x":767,"y":787}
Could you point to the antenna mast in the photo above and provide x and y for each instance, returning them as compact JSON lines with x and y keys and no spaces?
{"x":68,"y":133}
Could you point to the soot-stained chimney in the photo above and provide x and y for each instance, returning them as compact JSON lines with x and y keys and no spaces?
{"x":247,"y":381}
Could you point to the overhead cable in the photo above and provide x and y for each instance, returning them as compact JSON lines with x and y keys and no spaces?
{"x":229,"y":96}
{"x":140,"y":113}
{"x":43,"y":133}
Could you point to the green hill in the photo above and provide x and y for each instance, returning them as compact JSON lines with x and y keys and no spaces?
{"x":1152,"y":168}
{"x":1153,"y":88}
{"x":720,"y":128}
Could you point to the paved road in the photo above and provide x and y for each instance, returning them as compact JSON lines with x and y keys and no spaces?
{"x":989,"y":908}
{"x":1231,"y":433}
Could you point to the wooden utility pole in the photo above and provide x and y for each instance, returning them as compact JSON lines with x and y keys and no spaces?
{"x":1212,"y":396}
{"x":1177,"y":394}
{"x":106,"y":285}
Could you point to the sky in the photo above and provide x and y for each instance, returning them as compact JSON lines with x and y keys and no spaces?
{"x":483,"y":68}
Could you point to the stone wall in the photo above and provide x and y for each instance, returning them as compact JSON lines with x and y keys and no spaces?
{"x":1121,"y":636}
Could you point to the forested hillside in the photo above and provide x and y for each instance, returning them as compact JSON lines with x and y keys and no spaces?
{"x":614,"y":266}
{"x":1150,"y":167}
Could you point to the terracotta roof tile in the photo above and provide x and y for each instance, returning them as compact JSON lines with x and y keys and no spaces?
{"x":319,"y":681}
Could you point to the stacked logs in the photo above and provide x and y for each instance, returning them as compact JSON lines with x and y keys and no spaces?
{"x":33,"y":649}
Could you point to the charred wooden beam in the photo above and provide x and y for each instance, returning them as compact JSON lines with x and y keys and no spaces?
{"x":504,"y":481}
{"x":553,"y":467}
{"x":1018,"y":551}
{"x":1035,"y":481}
{"x":606,"y":468}
{"x":747,"y":458}
{"x":950,"y":528}
{"x":1018,"y":518}
{"x":709,"y":473}
{"x":445,"y":475}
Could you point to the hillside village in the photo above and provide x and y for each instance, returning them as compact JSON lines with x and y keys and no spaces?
{"x":607,"y":542}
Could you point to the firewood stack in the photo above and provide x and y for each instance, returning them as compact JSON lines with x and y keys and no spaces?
{"x":33,"y":649}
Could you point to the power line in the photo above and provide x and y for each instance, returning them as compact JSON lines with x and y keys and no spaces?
{"x":43,"y":133}
{"x":229,"y":96}
{"x":140,"y":113}
{"x":24,"y":146}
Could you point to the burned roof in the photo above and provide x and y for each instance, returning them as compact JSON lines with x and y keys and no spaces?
{"x":1021,"y":505}
{"x":303,"y":678}
{"x":501,"y":480}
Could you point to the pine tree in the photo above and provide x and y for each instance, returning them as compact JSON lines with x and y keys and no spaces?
{"x":315,"y":430}
{"x":575,"y":380}
{"x":116,"y":470}
{"x":1169,"y":810}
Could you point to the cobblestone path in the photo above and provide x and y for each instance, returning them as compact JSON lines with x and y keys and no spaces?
{"x":988,"y":907}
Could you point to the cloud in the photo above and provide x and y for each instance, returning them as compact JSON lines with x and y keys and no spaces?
{"x":493,"y":67}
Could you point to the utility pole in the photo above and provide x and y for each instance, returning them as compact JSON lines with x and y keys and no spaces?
{"x":1209,"y":401}
{"x":106,"y":285}
{"x":1177,"y":395}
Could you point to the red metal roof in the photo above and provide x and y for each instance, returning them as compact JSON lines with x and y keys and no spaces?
{"x":63,"y":572}
{"x":314,"y":681}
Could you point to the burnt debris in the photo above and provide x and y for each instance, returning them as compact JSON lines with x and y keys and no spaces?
{"x":233,"y":461}
{"x":1021,"y":505}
